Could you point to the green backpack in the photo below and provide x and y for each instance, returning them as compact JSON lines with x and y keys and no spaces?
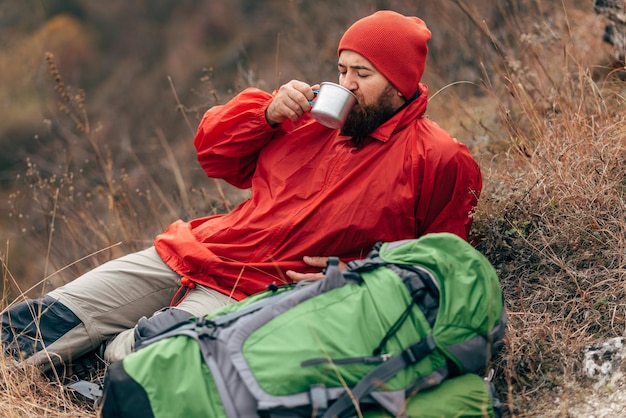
{"x":412,"y":323}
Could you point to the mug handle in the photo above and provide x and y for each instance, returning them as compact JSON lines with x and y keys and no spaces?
{"x":315,"y":93}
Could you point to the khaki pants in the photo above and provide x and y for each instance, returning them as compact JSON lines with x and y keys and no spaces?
{"x":110,"y":299}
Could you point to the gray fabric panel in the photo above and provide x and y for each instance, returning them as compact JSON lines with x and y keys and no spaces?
{"x":33,"y":324}
{"x":296,"y":400}
{"x":227,"y":401}
{"x":234,"y":340}
{"x":72,"y":345}
{"x":394,"y":402}
{"x":230,"y":383}
{"x":426,"y":382}
{"x":475,"y":353}
{"x":395,"y":244}
{"x":253,"y":307}
{"x":161,"y":322}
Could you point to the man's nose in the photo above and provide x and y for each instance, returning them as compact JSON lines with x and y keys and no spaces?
{"x":349,"y":82}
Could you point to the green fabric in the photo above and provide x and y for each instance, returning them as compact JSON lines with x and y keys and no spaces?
{"x":232,"y":307}
{"x":465,"y":396}
{"x":347,"y":322}
{"x":177,"y":365}
{"x":471,"y":298}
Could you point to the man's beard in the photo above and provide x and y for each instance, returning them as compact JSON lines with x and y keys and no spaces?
{"x":364,"y":120}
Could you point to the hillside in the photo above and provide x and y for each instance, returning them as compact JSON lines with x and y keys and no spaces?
{"x":100,"y":102}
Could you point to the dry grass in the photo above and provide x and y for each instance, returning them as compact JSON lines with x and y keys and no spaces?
{"x":554,"y":226}
{"x":549,"y":130}
{"x":553,"y":218}
{"x":25,"y":393}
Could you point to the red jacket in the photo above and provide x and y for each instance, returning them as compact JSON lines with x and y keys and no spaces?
{"x":314,"y":194}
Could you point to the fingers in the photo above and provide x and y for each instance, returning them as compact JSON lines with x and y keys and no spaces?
{"x":290,"y":102}
{"x":322,"y":262}
{"x":298,"y":277}
{"x":319,"y":262}
{"x":316,"y":261}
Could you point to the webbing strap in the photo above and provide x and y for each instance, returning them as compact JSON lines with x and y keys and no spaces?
{"x":183,"y":329}
{"x":254,"y":306}
{"x":379,"y":375}
{"x":394,"y":328}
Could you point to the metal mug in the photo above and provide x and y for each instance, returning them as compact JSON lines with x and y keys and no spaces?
{"x":332,"y":105}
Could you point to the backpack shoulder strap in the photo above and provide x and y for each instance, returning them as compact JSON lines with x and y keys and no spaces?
{"x":410,"y":355}
{"x":371,"y":262}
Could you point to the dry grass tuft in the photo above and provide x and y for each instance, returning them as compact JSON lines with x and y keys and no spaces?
{"x":556,"y":235}
{"x":553,"y":222}
{"x":25,"y":393}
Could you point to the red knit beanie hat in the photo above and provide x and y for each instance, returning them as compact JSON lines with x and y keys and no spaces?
{"x":394,"y":44}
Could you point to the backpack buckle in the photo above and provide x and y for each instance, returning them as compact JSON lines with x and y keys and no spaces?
{"x":319,"y":397}
{"x":418,"y":351}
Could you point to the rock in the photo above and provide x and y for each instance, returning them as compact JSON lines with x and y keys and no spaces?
{"x":604,"y":363}
{"x":615,"y":31}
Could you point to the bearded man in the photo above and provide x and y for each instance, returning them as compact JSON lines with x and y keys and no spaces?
{"x":388,"y":174}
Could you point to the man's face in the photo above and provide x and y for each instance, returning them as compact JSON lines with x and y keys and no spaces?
{"x":377,"y":99}
{"x":364,"y":119}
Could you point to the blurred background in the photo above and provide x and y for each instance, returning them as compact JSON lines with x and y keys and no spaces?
{"x":99,"y":102}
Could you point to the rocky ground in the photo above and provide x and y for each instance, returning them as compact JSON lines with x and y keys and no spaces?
{"x":604,"y":369}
